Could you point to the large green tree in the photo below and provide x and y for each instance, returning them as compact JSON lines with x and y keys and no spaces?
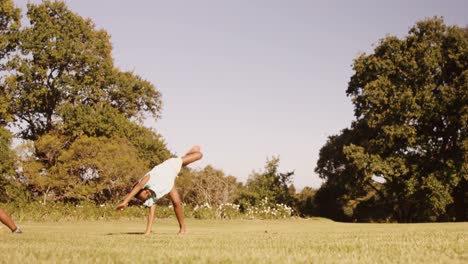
{"x":411,"y":98}
{"x":61,"y":87}
{"x":65,"y":62}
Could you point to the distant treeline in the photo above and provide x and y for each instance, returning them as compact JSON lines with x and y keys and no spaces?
{"x":404,"y":158}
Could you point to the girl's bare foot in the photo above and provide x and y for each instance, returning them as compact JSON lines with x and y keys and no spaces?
{"x":182,"y":231}
{"x":196,"y":148}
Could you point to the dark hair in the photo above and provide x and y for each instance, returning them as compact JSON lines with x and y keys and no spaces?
{"x":139,"y":192}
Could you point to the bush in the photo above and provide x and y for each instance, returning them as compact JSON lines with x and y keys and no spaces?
{"x":204,"y":211}
{"x":266,"y":211}
{"x":229,"y":211}
{"x":36,"y":211}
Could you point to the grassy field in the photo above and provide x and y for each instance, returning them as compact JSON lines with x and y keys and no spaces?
{"x":236,"y":241}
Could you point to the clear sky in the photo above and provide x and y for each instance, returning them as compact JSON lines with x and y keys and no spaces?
{"x":249,"y":79}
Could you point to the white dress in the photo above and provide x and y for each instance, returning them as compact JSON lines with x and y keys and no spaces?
{"x":162,"y":179}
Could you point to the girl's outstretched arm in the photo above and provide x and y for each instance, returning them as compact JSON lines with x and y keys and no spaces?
{"x":149,"y":223}
{"x":140,"y":185}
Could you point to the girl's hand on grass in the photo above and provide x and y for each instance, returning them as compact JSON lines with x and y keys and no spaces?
{"x":121,"y":206}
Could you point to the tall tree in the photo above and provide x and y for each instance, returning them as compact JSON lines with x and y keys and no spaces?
{"x":64,"y":62}
{"x":412,"y":94}
{"x":63,"y":87}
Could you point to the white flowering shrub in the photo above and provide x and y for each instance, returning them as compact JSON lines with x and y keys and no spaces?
{"x":267,"y":211}
{"x":164,"y":211}
{"x":283,"y":211}
{"x":264,"y":210}
{"x":204,"y":211}
{"x":229,"y":211}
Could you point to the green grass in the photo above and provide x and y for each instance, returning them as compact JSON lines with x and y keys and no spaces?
{"x":236,"y":241}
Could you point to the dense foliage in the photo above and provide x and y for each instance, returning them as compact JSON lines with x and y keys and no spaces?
{"x":405,"y":156}
{"x":79,"y":114}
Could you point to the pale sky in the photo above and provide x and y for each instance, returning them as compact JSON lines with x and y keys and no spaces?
{"x":249,"y":79}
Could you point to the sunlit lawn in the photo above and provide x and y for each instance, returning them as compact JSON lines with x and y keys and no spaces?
{"x":239,"y":241}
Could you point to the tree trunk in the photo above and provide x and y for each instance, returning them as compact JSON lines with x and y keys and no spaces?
{"x":459,"y":195}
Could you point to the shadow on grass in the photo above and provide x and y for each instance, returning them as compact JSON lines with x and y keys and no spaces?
{"x":125,"y":233}
{"x":138,"y":233}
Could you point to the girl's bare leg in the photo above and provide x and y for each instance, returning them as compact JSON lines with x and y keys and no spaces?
{"x":6,"y":219}
{"x":192,"y":155}
{"x":177,"y":203}
{"x":196,"y":148}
